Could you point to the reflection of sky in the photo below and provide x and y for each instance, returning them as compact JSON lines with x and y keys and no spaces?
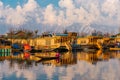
{"x":109,"y":70}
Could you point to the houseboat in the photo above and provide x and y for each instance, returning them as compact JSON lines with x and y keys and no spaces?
{"x":96,"y":43}
{"x":116,"y":43}
{"x":90,"y":42}
{"x":5,"y":46}
{"x":50,"y":42}
{"x":56,"y":42}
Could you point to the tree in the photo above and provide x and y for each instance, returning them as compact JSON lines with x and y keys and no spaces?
{"x":11,"y":33}
{"x":36,"y":31}
{"x":65,"y":32}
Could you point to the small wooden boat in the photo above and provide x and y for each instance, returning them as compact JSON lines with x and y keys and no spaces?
{"x":89,"y":50}
{"x":60,"y":49}
{"x":35,"y":51}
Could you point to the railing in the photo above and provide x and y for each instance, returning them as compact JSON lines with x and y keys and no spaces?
{"x":68,"y":46}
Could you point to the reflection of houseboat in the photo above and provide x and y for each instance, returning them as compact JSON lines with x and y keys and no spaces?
{"x":91,"y":57}
{"x":19,"y":56}
{"x":24,"y":56}
{"x":47,"y":55}
{"x":94,"y":57}
{"x":66,"y":59}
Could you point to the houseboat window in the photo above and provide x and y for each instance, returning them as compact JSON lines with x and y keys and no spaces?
{"x":58,"y":40}
{"x":81,"y":41}
{"x":61,"y":40}
{"x":55,"y":41}
{"x":48,"y":42}
{"x":91,"y":40}
{"x":84,"y":41}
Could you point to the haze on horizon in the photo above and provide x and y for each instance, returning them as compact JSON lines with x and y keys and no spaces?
{"x":58,"y":15}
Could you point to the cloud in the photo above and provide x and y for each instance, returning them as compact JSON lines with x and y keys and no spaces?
{"x":15,"y":17}
{"x":111,"y":7}
{"x":68,"y":12}
{"x":49,"y":15}
{"x":20,"y":15}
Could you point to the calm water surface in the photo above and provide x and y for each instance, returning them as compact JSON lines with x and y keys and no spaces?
{"x":71,"y":66}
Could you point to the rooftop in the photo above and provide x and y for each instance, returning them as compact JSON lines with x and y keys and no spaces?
{"x":60,"y":34}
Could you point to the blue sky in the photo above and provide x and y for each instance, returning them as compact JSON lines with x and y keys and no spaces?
{"x":42,"y":3}
{"x":13,"y":3}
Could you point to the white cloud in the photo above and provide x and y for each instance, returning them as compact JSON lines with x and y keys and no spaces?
{"x":30,"y":6}
{"x":49,"y":15}
{"x":69,"y":12}
{"x":68,"y":4}
{"x":111,"y":7}
{"x":20,"y":15}
{"x":15,"y":17}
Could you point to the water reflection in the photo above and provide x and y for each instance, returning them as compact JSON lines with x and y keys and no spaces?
{"x":94,"y":57}
{"x":71,"y":66}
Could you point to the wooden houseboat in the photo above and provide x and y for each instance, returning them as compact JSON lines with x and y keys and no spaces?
{"x":50,"y":42}
{"x":90,"y":42}
{"x":5,"y":46}
{"x":96,"y":42}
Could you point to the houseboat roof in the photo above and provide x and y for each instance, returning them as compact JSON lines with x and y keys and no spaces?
{"x":59,"y":34}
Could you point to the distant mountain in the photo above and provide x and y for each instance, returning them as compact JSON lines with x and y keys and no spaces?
{"x":73,"y":28}
{"x":105,"y":28}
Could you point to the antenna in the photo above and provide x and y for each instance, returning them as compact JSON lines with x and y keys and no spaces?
{"x":119,"y":29}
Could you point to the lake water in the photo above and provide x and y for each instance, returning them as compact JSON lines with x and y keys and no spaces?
{"x":70,"y":66}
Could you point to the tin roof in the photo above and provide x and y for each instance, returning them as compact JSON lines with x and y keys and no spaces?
{"x":59,"y":34}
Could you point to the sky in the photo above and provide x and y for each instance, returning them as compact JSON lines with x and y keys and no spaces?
{"x":58,"y":15}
